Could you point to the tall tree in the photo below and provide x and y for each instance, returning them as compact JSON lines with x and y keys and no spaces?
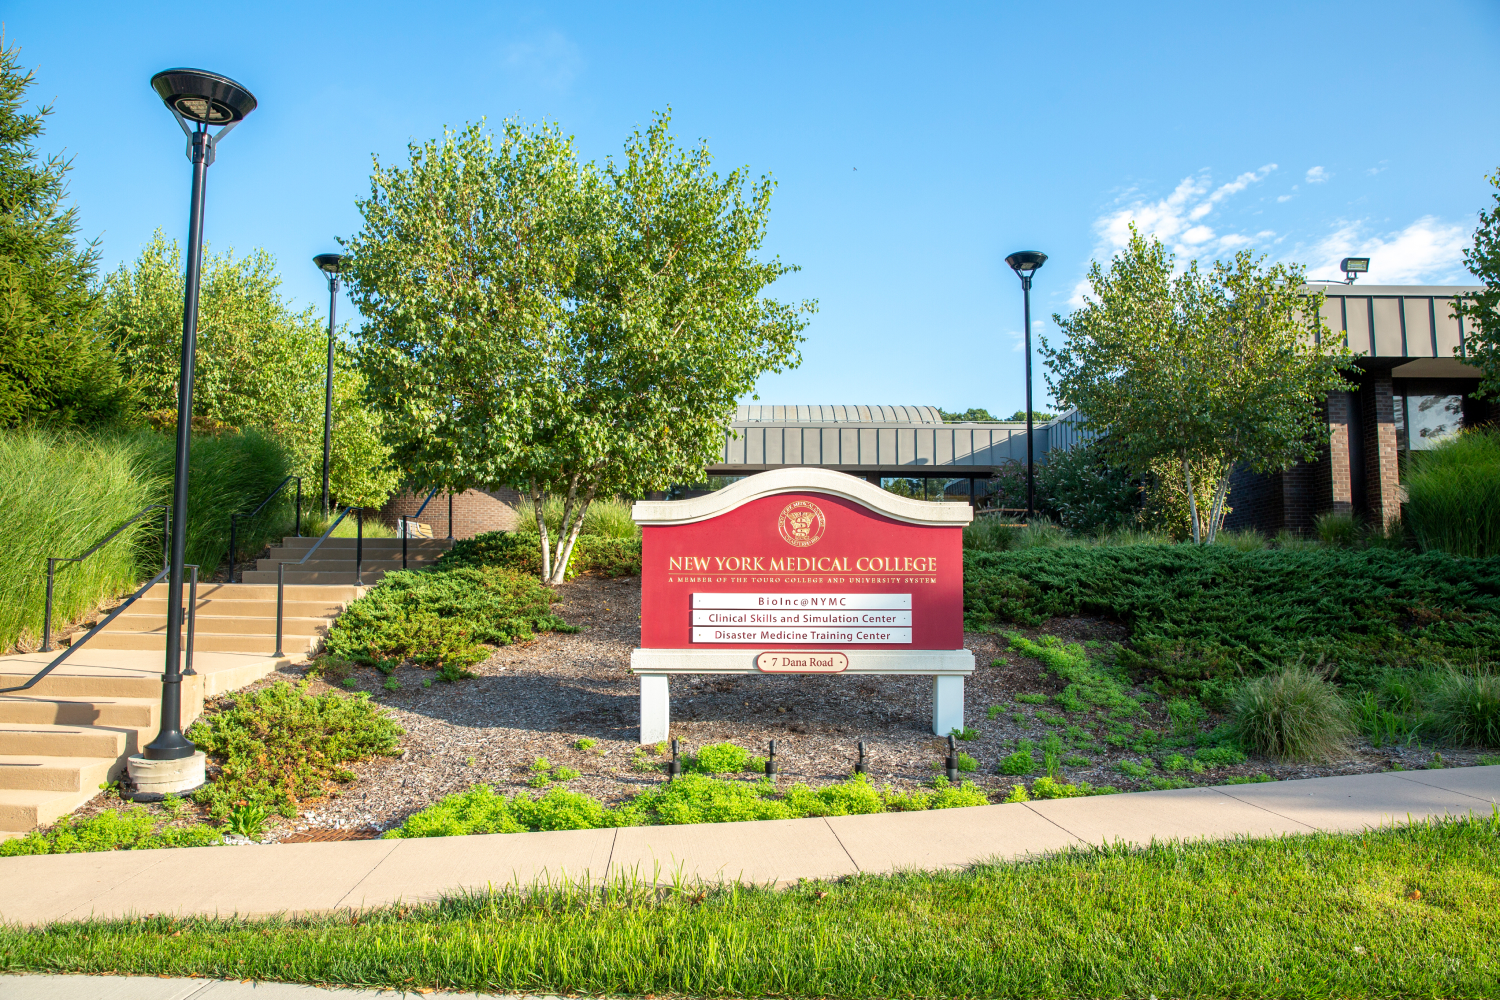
{"x":1481,"y":309}
{"x":261,"y":361}
{"x":571,"y":329}
{"x":52,"y":365}
{"x":1205,"y":368}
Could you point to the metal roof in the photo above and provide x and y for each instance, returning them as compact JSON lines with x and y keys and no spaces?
{"x":1396,"y":321}
{"x":821,"y":414}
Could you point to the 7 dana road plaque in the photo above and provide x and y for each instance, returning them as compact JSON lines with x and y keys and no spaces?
{"x":801,"y":571}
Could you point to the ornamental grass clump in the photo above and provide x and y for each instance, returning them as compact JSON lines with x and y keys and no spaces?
{"x":1291,"y":715}
{"x":1453,"y":495}
{"x":1467,"y":708}
{"x":280,"y":747}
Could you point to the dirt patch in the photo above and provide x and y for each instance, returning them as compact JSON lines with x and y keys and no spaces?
{"x":539,"y":699}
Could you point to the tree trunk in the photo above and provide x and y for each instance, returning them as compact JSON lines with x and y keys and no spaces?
{"x":541,"y":527}
{"x":1187,"y":477}
{"x":1216,"y":513}
{"x":565,"y":548}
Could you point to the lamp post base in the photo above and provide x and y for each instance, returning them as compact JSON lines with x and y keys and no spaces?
{"x":155,"y":778}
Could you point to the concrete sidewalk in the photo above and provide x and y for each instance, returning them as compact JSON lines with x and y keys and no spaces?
{"x":311,"y":878}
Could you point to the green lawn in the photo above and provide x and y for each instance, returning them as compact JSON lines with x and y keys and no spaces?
{"x":1396,"y":913}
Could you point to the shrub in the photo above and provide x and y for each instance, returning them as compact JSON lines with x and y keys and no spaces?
{"x":132,"y":829}
{"x":1134,"y":769}
{"x":1291,"y":715}
{"x":440,"y":618}
{"x":1453,"y":495}
{"x":722,"y":758}
{"x":280,"y":746}
{"x":1086,"y":493}
{"x":1220,"y":756}
{"x":520,"y":553}
{"x":1202,"y":612}
{"x":991,"y":533}
{"x":1467,"y":708}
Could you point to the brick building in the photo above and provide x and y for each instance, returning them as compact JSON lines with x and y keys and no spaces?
{"x":1410,"y":391}
{"x":474,"y":511}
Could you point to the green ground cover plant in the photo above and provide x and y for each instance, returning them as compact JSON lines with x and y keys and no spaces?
{"x":133,"y":829}
{"x":442,"y":618}
{"x":280,"y":747}
{"x":593,"y":554}
{"x":1412,"y":911}
{"x":691,"y":798}
{"x":1200,"y":613}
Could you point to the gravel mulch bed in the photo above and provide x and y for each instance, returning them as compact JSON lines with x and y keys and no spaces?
{"x":537,"y":699}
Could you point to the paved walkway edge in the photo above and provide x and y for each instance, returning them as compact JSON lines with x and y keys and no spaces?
{"x":303,"y":879}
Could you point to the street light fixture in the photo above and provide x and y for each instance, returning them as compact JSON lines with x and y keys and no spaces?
{"x":1353,"y":267}
{"x":329,"y":263}
{"x":1025,"y":264}
{"x":198,"y":100}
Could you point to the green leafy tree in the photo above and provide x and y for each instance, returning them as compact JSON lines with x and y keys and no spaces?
{"x":52,"y":365}
{"x":571,"y":329}
{"x":260,"y":362}
{"x":973,"y":413}
{"x":1206,"y":369}
{"x":1036,"y":415}
{"x":1481,"y":309}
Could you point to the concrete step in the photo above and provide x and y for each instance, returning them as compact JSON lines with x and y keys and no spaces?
{"x":291,"y":645}
{"x":259,"y":624}
{"x":338,"y":563}
{"x":25,"y":809}
{"x":68,"y":682}
{"x":253,"y":591}
{"x":38,"y":740}
{"x":118,"y":713}
{"x":322,"y":577}
{"x":265,"y":608}
{"x":58,"y":774}
{"x":432,"y":546}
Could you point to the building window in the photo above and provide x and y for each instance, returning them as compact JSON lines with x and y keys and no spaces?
{"x":1424,"y":421}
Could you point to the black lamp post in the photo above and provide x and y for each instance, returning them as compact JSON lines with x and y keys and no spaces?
{"x":1025,"y":264}
{"x":328,"y":263}
{"x":198,"y":100}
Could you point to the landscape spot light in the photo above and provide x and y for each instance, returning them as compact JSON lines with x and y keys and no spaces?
{"x":674,"y":766}
{"x":1353,"y":267}
{"x":860,"y":767}
{"x":771,"y":760}
{"x":952,"y":761}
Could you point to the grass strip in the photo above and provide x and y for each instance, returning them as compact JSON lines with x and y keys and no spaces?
{"x":1412,"y":911}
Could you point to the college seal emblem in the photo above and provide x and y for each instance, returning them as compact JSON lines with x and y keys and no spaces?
{"x":801,"y":523}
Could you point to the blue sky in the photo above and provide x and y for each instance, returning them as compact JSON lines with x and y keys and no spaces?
{"x":914,"y":145}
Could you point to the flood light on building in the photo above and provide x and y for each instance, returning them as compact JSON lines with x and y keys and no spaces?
{"x":1353,"y":266}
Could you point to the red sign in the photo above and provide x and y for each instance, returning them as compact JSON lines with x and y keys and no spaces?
{"x":802,"y":571}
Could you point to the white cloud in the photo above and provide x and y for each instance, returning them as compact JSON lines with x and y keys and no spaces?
{"x":548,"y":60}
{"x":1178,"y":220}
{"x":1429,"y":251}
{"x":1317,"y":175}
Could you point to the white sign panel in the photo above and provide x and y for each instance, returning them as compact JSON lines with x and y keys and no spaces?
{"x":800,"y":602}
{"x":900,"y":619}
{"x":852,"y":636}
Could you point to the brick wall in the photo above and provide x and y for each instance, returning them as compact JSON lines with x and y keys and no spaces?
{"x":474,"y":511}
{"x":1255,"y":501}
{"x":1381,"y":474}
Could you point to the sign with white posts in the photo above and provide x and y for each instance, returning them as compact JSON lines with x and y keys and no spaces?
{"x":801,"y":570}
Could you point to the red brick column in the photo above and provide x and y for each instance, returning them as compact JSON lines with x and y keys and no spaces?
{"x":1340,"y":410}
{"x":474,"y":511}
{"x":1382,"y":478}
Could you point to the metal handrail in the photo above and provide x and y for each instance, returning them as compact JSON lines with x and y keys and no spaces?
{"x":191,"y":628}
{"x":407,"y":517}
{"x":359,"y":558}
{"x":269,"y":497}
{"x":52,"y":562}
